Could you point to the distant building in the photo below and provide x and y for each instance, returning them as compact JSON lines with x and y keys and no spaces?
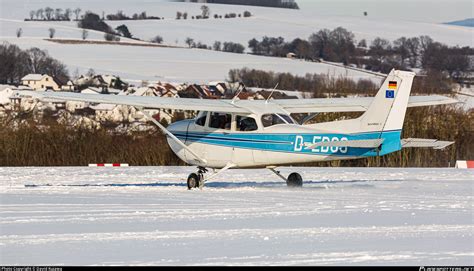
{"x":41,"y":82}
{"x":69,"y":86}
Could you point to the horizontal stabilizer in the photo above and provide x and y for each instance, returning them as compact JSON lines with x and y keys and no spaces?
{"x":364,"y":143}
{"x":425,"y":143}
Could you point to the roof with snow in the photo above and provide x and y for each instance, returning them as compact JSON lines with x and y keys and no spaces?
{"x":32,"y":77}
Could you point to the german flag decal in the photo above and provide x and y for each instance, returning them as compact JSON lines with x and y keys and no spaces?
{"x":392,"y":84}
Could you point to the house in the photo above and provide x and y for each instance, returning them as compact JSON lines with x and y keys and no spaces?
{"x":192,"y":91}
{"x":106,"y":81}
{"x":92,"y":90}
{"x":113,"y":113}
{"x":41,"y":82}
{"x":219,"y":86}
{"x":265,"y":94}
{"x":5,"y":92}
{"x":95,"y":81}
{"x":69,"y":86}
{"x":291,"y":55}
{"x":167,"y":90}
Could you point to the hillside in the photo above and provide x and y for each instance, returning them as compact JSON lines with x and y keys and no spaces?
{"x":195,"y":65}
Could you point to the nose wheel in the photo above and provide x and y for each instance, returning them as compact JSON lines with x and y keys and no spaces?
{"x":196,"y":180}
{"x":193,"y":181}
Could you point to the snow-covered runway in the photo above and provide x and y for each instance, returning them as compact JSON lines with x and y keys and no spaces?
{"x":145,"y":216}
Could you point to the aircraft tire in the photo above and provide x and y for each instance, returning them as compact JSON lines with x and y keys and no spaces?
{"x":193,"y":181}
{"x":294,"y":180}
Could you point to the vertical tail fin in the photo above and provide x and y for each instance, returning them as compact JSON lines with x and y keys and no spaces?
{"x":385,"y":113}
{"x":388,"y":108}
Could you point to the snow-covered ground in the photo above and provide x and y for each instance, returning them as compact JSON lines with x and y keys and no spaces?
{"x":145,"y":216}
{"x":175,"y":64}
{"x":390,"y":20}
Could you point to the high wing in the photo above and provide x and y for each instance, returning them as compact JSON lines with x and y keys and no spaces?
{"x":356,"y":104}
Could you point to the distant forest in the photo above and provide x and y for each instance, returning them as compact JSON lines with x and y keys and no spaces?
{"x":261,"y":3}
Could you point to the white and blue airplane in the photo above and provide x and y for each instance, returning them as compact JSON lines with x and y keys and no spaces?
{"x":231,"y":134}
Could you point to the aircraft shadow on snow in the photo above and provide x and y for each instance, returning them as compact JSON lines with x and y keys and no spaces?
{"x":308,"y":184}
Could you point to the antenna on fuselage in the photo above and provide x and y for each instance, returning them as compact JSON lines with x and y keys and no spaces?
{"x":237,"y":95}
{"x":271,"y":93}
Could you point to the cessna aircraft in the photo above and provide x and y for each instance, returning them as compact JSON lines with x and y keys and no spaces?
{"x":230,"y":134}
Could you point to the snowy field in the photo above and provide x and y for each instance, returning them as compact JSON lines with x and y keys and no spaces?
{"x":390,"y":19}
{"x":175,"y":64}
{"x":145,"y":216}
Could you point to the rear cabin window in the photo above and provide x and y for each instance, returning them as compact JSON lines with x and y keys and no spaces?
{"x":246,"y":124}
{"x":201,"y":120}
{"x":220,"y":121}
{"x":275,"y":119}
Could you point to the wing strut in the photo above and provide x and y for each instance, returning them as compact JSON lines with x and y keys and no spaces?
{"x":168,"y":133}
{"x":228,"y":166}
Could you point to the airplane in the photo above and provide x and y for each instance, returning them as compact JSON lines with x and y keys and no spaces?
{"x":232,"y":134}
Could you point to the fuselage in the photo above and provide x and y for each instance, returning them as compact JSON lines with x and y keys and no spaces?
{"x":266,"y":143}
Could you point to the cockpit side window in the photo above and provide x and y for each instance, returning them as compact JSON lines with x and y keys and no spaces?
{"x":201,"y":119}
{"x":275,"y":119}
{"x":220,"y":121}
{"x":245,"y":124}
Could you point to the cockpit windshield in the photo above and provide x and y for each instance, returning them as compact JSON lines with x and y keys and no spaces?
{"x":275,"y":119}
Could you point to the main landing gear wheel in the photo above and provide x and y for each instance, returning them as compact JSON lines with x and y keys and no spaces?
{"x":193,"y":181}
{"x":294,"y":180}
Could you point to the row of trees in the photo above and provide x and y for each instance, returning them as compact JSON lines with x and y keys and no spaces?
{"x":120,"y":16}
{"x":206,"y":13}
{"x":230,"y":47}
{"x":339,"y":45}
{"x":16,"y":63}
{"x":51,"y":32}
{"x":320,"y":85}
{"x":261,"y":3}
{"x":53,"y":14}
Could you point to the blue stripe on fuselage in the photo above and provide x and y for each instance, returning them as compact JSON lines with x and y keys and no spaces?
{"x":294,"y":143}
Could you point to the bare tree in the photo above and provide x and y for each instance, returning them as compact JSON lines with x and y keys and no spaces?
{"x":90,"y":72}
{"x":401,"y":47}
{"x":58,"y":14}
{"x":51,"y":31}
{"x":185,"y":16}
{"x":67,"y":14}
{"x":189,"y":41}
{"x":32,"y":14}
{"x":76,"y":12}
{"x":217,"y":46}
{"x":19,"y":31}
{"x":205,"y":11}
{"x":362,"y":43}
{"x":178,"y":15}
{"x":425,"y":42}
{"x":36,"y":57}
{"x":413,"y":45}
{"x":85,"y":34}
{"x":48,"y":13}
{"x":39,"y":14}
{"x":157,"y":39}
